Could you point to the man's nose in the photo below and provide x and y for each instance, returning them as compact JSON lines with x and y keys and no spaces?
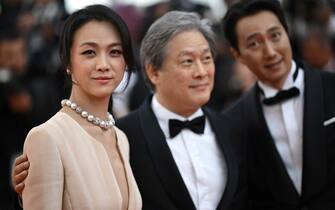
{"x":269,"y":49}
{"x":200,"y":68}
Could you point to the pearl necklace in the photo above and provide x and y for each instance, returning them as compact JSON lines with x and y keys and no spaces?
{"x":105,"y":124}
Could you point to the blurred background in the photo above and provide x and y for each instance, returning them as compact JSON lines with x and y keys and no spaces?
{"x":32,"y":82}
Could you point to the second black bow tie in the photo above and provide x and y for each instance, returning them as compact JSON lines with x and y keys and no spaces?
{"x":197,"y":125}
{"x":281,"y":96}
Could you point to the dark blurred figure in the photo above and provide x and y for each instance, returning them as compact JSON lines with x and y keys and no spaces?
{"x":304,"y":15}
{"x":316,"y":48}
{"x":232,"y":79}
{"x":43,"y":36}
{"x":25,"y":102}
{"x":9,"y":12}
{"x":139,"y":91}
{"x":154,"y":12}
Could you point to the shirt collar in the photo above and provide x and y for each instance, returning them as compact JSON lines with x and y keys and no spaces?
{"x":289,"y":82}
{"x":163,"y":115}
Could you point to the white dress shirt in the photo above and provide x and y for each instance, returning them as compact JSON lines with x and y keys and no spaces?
{"x":284,"y":121}
{"x":198,"y":158}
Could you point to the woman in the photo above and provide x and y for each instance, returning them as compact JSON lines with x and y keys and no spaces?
{"x":78,"y":158}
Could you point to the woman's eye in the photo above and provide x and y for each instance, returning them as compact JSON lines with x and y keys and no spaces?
{"x":116,"y":52}
{"x":88,"y":52}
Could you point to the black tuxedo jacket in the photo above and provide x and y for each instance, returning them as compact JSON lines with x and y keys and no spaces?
{"x":156,"y":173}
{"x":269,"y":184}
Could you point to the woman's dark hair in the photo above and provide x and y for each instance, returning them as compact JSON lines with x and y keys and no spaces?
{"x":97,"y":13}
{"x":247,"y":8}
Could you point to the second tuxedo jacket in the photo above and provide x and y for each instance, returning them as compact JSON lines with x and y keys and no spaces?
{"x":156,"y":172}
{"x":270,"y":187}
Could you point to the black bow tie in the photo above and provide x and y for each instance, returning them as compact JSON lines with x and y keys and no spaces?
{"x":281,"y":96}
{"x":197,"y":125}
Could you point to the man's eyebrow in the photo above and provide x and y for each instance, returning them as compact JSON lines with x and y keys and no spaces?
{"x":254,"y":35}
{"x":186,"y":52}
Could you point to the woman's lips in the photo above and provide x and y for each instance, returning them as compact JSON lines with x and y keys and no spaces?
{"x":102,"y":80}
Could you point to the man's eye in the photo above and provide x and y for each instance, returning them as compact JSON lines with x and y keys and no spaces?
{"x":207,"y":59}
{"x":276,"y":36}
{"x":187,"y":61}
{"x":253,"y":44}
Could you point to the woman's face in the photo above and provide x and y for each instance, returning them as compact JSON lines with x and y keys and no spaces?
{"x":97,"y":64}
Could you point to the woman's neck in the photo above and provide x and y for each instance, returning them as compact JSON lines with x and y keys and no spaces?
{"x":93,"y":105}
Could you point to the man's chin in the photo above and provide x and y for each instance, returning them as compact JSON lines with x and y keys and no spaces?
{"x":202,"y":100}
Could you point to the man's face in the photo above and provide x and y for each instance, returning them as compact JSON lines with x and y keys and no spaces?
{"x":264,"y":48}
{"x":185,"y":81}
{"x":14,"y":57}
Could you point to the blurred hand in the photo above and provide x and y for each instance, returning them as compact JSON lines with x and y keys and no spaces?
{"x":20,"y":173}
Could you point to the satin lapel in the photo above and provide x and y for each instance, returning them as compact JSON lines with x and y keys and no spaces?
{"x":263,"y":147}
{"x":222,"y":136}
{"x":314,"y":137}
{"x":163,"y":160}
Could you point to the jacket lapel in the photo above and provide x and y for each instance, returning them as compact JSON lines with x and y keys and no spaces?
{"x":263,"y":148}
{"x":163,"y":160}
{"x":314,"y":145}
{"x":222,"y":136}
